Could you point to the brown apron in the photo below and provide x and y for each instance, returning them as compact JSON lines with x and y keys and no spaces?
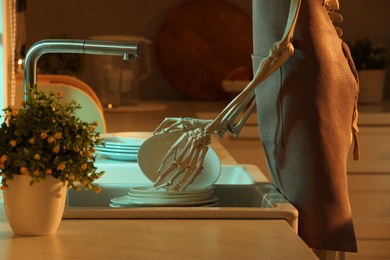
{"x":306,"y":114}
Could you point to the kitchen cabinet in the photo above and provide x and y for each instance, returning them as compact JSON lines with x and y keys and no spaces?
{"x":368,"y":181}
{"x":368,"y":178}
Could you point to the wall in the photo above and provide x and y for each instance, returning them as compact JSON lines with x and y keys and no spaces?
{"x":82,"y":19}
{"x":367,"y":18}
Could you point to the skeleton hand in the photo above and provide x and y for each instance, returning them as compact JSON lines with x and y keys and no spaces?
{"x":182,"y":125}
{"x":187,"y":154}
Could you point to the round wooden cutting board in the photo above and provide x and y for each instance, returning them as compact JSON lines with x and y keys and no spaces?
{"x":200,"y":43}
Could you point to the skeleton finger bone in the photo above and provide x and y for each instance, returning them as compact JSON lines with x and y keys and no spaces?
{"x":168,"y":124}
{"x":177,"y":160}
{"x":180,"y":124}
{"x":198,"y":169}
{"x":185,"y":160}
{"x":190,"y":169}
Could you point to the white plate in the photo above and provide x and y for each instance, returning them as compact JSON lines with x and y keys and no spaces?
{"x":157,"y":200}
{"x":125,"y":138}
{"x":119,"y":156}
{"x":126,"y":201}
{"x":119,"y":147}
{"x":169,"y":196}
{"x":114,"y":205}
{"x":153,"y":150}
{"x":151,"y":190}
{"x":133,"y":138}
{"x":116,"y":150}
{"x":112,"y":142}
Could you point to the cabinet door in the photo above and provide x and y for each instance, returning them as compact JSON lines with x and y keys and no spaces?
{"x":369,"y":191}
{"x":374,"y":150}
{"x":370,"y":203}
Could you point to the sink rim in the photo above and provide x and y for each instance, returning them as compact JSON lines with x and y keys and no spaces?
{"x":282,"y":209}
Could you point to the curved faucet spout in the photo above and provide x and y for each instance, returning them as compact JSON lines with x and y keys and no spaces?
{"x":124,"y":49}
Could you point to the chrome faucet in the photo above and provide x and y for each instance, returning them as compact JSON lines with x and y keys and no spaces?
{"x":125,"y":49}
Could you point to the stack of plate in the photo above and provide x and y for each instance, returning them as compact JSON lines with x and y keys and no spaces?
{"x":146,"y":196}
{"x":122,"y":146}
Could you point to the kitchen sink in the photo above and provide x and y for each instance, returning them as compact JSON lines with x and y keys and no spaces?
{"x":242,"y":191}
{"x":130,"y":172}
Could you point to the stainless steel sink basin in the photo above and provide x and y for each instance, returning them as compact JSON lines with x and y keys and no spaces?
{"x":242,"y":191}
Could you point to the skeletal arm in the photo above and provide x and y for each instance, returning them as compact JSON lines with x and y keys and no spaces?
{"x":278,"y":55}
{"x":196,"y":133}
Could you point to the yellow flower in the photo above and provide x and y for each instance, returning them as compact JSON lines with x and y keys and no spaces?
{"x":43,"y":135}
{"x":37,"y":156}
{"x":71,"y":177}
{"x":12,"y":143}
{"x":61,"y":166}
{"x":23,"y":170}
{"x":3,"y":158}
{"x":15,"y":111}
{"x":49,"y":171}
{"x":32,"y":140}
{"x":84,"y":166}
{"x":96,"y":123}
{"x":50,"y":140}
{"x":89,"y":155}
{"x":3,"y":187}
{"x":90,"y":128}
{"x":37,"y":173}
{"x":58,"y":135}
{"x":56,"y":149}
{"x":98,"y":189}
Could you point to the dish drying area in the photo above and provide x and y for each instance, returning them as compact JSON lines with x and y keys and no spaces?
{"x":221,"y":191}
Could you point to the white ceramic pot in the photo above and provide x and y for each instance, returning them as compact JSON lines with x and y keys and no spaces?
{"x":37,"y":209}
{"x":372,"y":84}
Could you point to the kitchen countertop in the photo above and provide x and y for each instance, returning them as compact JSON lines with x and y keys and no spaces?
{"x":158,"y":238}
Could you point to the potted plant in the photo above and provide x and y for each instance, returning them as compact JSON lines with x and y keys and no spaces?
{"x":370,"y":61}
{"x":44,"y":149}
